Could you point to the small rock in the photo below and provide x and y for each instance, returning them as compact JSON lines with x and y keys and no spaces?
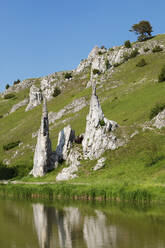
{"x":35,"y":97}
{"x":100,"y":164}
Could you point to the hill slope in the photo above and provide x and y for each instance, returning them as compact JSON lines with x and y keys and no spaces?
{"x":127,"y":94}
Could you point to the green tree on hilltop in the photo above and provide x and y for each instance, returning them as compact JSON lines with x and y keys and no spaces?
{"x":143,"y":29}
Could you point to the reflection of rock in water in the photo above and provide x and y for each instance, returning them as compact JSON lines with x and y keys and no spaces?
{"x":68,"y":228}
{"x":97,"y":233}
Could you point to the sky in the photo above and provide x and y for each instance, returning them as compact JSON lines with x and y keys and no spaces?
{"x":39,"y":37}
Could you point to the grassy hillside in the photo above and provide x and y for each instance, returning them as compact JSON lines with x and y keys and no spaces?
{"x":127,"y":96}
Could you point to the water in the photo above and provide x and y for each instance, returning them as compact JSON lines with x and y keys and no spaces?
{"x":58,"y":224}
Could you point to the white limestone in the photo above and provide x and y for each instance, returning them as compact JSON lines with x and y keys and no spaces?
{"x":35,"y":98}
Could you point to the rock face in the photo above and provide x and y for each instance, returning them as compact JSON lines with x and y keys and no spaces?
{"x":100,"y":164}
{"x":18,"y":105}
{"x":65,"y":139}
{"x":73,"y":107}
{"x":43,"y":151}
{"x":73,"y":160}
{"x":159,"y":120}
{"x":99,"y":131}
{"x":35,"y":98}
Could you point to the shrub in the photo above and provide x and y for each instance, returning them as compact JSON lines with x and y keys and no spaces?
{"x":157,"y":49}
{"x":79,"y":139}
{"x":9,"y":96}
{"x":134,"y":53}
{"x":126,"y":56}
{"x":161,"y":77}
{"x":101,"y":123}
{"x":107,"y":64}
{"x":117,"y":64}
{"x":146,"y":49}
{"x":100,"y":52}
{"x":103,"y":47}
{"x":10,"y":145}
{"x":68,"y":75}
{"x":96,"y":71}
{"x":56,"y":92}
{"x":158,"y":107}
{"x":127,"y":44}
{"x":16,"y":82}
{"x":7,"y":86}
{"x":1,"y":116}
{"x":111,"y":49}
{"x":6,"y":172}
{"x":141,"y":63}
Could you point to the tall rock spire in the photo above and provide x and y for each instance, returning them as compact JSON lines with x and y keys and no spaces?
{"x":98,"y":135}
{"x":43,"y":150}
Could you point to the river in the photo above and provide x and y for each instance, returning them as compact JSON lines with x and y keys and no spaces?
{"x":59,"y":224}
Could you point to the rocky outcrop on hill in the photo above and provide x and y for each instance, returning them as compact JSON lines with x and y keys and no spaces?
{"x":99,"y":135}
{"x":35,"y":98}
{"x":43,"y":150}
{"x":159,"y":120}
{"x":19,"y":105}
{"x":99,"y":57}
{"x":100,"y":164}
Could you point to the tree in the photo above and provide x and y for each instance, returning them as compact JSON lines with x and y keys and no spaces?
{"x":7,"y":86}
{"x":143,"y":29}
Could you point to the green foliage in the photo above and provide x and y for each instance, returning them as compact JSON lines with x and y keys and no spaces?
{"x":16,"y":82}
{"x":134,"y":53}
{"x":157,"y":49}
{"x":127,"y":44}
{"x":103,"y":47}
{"x":102,"y":123}
{"x":146,"y":49}
{"x":96,"y":71}
{"x":141,"y":63}
{"x":107,"y":64}
{"x":6,"y":172}
{"x":117,"y":64}
{"x":9,"y":96}
{"x":161,"y":77}
{"x":56,"y":92}
{"x":10,"y":145}
{"x":68,"y":75}
{"x":111,"y":49}
{"x":7,"y":86}
{"x":158,"y":107}
{"x":143,"y":29}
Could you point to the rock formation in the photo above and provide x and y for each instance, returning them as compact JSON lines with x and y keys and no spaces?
{"x":35,"y":98}
{"x":159,"y":120}
{"x":43,"y":151}
{"x":99,"y":130}
{"x":100,"y":164}
{"x":19,"y":105}
{"x":65,"y":139}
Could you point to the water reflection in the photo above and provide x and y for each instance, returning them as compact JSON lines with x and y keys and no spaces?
{"x":70,"y":227}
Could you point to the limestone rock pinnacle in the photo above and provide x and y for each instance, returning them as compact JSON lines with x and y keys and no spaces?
{"x":43,"y":150}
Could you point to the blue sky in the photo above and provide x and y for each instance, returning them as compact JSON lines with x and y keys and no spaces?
{"x":39,"y":37}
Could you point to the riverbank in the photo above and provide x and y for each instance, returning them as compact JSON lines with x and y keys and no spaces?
{"x":111,"y":192}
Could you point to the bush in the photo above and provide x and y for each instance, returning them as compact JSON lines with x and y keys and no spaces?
{"x":100,"y":52}
{"x":127,"y":44}
{"x":96,"y":71}
{"x":146,"y":49}
{"x":10,"y":145}
{"x":103,"y":47}
{"x":16,"y":82}
{"x":56,"y":92}
{"x":117,"y":64}
{"x":6,"y":172}
{"x":107,"y":64}
{"x":68,"y":75}
{"x":79,"y":139}
{"x":161,"y":77}
{"x":134,"y":53}
{"x":141,"y":63}
{"x":158,"y":107}
{"x":111,"y":49}
{"x":9,"y":96}
{"x":157,"y":49}
{"x":7,"y":86}
{"x":126,"y":56}
{"x":101,"y":123}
